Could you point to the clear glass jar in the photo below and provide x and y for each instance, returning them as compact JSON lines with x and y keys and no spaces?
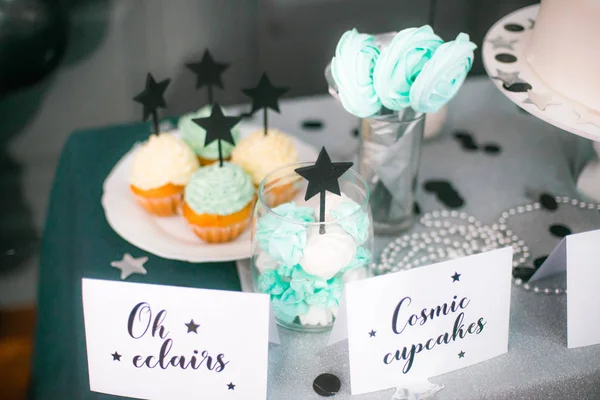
{"x":389,"y":154}
{"x":302,"y":269}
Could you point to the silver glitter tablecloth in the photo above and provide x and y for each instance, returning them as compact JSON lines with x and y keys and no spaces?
{"x":533,"y":155}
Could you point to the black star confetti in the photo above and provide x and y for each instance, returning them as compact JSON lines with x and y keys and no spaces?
{"x":208,"y":73}
{"x":445,"y":192}
{"x":192,"y":327}
{"x":265,"y":96}
{"x":152,"y":98}
{"x":537,"y":263}
{"x":116,"y":356}
{"x":548,"y":202}
{"x":455,"y":277}
{"x":327,"y":385}
{"x":461,"y":354}
{"x":523,"y":273}
{"x":323,"y":177}
{"x":372,"y":333}
{"x":218,"y":127}
{"x":560,"y":230}
{"x":230,"y":386}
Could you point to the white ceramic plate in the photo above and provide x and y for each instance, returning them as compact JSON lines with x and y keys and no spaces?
{"x":564,"y":113}
{"x":170,"y":237}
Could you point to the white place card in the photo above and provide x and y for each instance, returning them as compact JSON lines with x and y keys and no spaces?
{"x":579,"y":256}
{"x":409,"y":326}
{"x":163,"y":342}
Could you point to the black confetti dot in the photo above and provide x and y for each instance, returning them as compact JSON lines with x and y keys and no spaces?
{"x":355,"y":132}
{"x":416,"y":208}
{"x":539,"y":261}
{"x":506,"y":58}
{"x":492,"y":148}
{"x":518,"y":87}
{"x":523,"y":273}
{"x":548,"y":202}
{"x":312,"y":125}
{"x":445,"y":193}
{"x":466,"y":140}
{"x":327,"y":385}
{"x":560,"y":230}
{"x":514,"y":27}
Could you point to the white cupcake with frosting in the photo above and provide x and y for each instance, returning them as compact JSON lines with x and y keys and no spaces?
{"x":162,"y":167}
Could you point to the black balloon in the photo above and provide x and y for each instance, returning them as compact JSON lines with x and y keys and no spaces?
{"x":33,"y":37}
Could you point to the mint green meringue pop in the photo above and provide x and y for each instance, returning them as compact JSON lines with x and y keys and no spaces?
{"x":443,"y":75}
{"x":400,"y":63}
{"x":352,"y":69}
{"x":193,"y":135}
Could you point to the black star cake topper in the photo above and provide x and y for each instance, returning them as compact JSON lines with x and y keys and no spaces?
{"x":323,"y":177}
{"x":218,"y":127}
{"x":153,"y":98}
{"x":192,"y":327}
{"x":116,"y":356}
{"x":208,"y":73}
{"x":265,"y":96}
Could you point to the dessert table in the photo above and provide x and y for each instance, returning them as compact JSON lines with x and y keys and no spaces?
{"x":499,"y":154}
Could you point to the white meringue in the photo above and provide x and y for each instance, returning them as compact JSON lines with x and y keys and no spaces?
{"x":326,"y":254}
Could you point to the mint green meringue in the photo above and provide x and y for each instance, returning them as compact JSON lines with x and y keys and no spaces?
{"x":353,"y":220}
{"x":400,"y":63}
{"x":352,"y":69}
{"x":268,"y":223}
{"x":220,"y":190}
{"x":443,"y":75}
{"x":194,"y":136}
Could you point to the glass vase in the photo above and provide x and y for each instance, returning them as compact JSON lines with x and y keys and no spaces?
{"x":389,"y":154}
{"x":302,"y":267}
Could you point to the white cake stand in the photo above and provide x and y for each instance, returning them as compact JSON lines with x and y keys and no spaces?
{"x":504,"y":59}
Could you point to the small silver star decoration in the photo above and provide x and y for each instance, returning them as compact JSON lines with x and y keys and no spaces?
{"x":540,"y":100}
{"x":508,"y":78}
{"x":501,"y":43}
{"x":129,"y":265}
{"x":586,"y":117}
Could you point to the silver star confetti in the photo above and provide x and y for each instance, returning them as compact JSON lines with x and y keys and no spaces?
{"x":508,"y":78}
{"x":540,"y":100}
{"x":129,"y":265}
{"x":501,"y":43}
{"x":587,"y":117}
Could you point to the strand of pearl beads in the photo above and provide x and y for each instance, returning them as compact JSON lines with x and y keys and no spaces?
{"x":501,"y":226}
{"x":456,"y":234}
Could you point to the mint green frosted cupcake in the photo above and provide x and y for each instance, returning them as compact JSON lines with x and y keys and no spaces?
{"x":193,"y":135}
{"x":218,"y":202}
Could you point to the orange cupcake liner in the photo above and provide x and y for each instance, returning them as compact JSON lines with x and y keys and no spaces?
{"x":220,"y":234}
{"x":281,"y":193}
{"x":218,"y":228}
{"x":161,"y":206}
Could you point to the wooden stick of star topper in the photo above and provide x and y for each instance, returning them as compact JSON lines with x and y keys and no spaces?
{"x":265,"y":96}
{"x":218,"y":127}
{"x":208,"y":72}
{"x":323,"y":177}
{"x":152,"y":98}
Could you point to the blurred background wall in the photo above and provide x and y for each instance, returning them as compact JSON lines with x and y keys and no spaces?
{"x":73,"y":64}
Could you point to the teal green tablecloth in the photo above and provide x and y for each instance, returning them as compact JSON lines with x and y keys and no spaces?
{"x":78,"y":243}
